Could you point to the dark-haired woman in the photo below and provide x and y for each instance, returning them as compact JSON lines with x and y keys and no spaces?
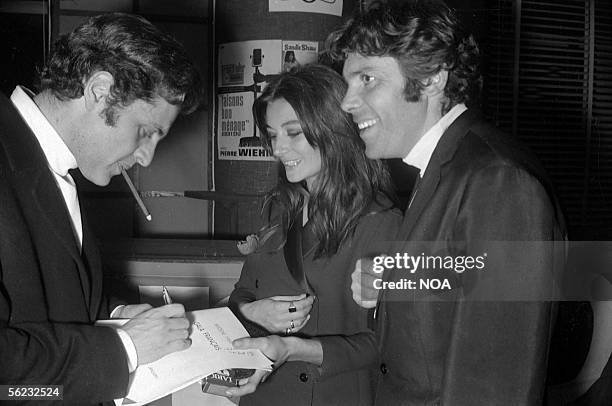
{"x":290,"y":61}
{"x":330,"y":209}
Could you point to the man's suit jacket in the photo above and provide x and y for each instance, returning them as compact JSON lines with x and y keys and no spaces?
{"x":485,"y":341}
{"x":50,"y":294}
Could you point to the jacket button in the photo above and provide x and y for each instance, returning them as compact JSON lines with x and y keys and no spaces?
{"x":383,"y":368}
{"x":304,"y":377}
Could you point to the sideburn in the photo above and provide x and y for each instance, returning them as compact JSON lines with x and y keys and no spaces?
{"x":110,"y":115}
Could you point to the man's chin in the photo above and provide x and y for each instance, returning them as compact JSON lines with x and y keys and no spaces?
{"x":378,"y":152}
{"x":373,"y":153}
{"x":98,"y":180}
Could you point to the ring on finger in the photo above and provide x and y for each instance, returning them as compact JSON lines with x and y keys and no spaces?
{"x":292,"y":325}
{"x":288,"y":331}
{"x":292,"y":308}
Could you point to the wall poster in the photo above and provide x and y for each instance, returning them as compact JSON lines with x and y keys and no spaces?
{"x":296,"y":53}
{"x":333,"y":7}
{"x":243,"y":72}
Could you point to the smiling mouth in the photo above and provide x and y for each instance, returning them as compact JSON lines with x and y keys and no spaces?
{"x":292,"y":163}
{"x":366,"y":124}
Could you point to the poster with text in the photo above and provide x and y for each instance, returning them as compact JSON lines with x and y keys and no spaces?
{"x":239,"y":62}
{"x":333,"y":7}
{"x":297,"y":53}
{"x":244,"y":68}
{"x":238,"y":137}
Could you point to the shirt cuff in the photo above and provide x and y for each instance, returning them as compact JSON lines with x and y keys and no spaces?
{"x":116,"y":310}
{"x":130,"y":349}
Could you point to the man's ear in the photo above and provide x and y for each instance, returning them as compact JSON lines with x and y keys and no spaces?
{"x":97,"y":88}
{"x":436,"y":83}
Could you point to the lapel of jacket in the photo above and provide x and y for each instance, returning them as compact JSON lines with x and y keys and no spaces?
{"x":293,"y":252}
{"x":443,"y":153}
{"x":36,"y":184}
{"x":427,"y":187}
{"x":299,"y":244}
{"x":52,"y":208}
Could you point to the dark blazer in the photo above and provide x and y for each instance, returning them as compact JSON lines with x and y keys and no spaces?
{"x":50,"y":294}
{"x":350,"y":353}
{"x":485,"y":340}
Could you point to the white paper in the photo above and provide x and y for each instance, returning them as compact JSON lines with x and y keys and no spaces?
{"x":212,"y":333}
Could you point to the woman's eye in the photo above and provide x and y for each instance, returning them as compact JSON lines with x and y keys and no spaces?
{"x":294,"y":133}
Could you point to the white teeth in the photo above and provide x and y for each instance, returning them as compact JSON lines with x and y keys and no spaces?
{"x":366,"y":124}
{"x":291,"y":163}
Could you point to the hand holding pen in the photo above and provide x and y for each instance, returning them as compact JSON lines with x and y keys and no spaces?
{"x":158,"y":332}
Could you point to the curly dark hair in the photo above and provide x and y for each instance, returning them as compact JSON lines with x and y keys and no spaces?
{"x":145,"y":63}
{"x":424,"y":37}
{"x":348,"y":181}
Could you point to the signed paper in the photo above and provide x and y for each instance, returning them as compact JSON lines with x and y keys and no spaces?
{"x":212,"y":333}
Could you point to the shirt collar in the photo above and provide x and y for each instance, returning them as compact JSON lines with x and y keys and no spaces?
{"x":58,"y":155}
{"x":420,"y":154}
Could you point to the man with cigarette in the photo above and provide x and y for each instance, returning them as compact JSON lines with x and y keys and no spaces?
{"x":479,"y":336}
{"x":109,"y":93}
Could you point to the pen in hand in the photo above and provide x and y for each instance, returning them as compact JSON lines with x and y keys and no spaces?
{"x":166,"y":295}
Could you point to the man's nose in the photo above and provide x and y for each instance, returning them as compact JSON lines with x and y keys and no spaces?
{"x":350,"y":101}
{"x":145,"y":152}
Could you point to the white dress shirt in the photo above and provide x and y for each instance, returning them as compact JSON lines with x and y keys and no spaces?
{"x":420,"y":154}
{"x":60,"y":160}
{"x":58,"y":155}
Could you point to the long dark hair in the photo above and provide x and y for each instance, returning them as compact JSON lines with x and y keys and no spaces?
{"x":348,"y":181}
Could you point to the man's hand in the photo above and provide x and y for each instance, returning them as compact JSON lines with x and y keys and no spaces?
{"x":362,"y":286}
{"x":276,"y":313}
{"x":274,"y":347}
{"x":131,"y":311}
{"x":158,"y":332}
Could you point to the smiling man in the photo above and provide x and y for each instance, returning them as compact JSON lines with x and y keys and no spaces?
{"x":412,"y":77}
{"x":110,"y":92}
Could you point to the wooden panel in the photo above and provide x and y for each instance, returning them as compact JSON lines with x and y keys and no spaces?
{"x":218,"y":276}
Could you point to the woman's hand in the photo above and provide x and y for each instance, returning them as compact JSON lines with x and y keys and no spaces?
{"x":274,"y":347}
{"x":279,"y":350}
{"x":279,"y":314}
